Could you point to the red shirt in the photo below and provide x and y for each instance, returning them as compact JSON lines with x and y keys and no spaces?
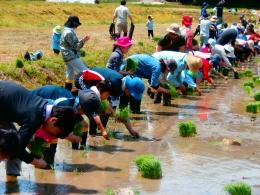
{"x":206,"y":66}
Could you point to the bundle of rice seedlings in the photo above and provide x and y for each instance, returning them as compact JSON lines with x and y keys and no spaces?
{"x":149,"y":166}
{"x":257,"y":81}
{"x":241,"y":74}
{"x":254,"y":78}
{"x":187,"y":129}
{"x":82,"y":53}
{"x":122,"y":114}
{"x":19,"y":63}
{"x":78,"y":129}
{"x":225,"y":71}
{"x":249,"y":83}
{"x":37,"y":147}
{"x":248,"y":89}
{"x":252,"y":107}
{"x":131,"y":64}
{"x":248,"y":73}
{"x":257,"y":96}
{"x":104,"y":105}
{"x":172,"y":90}
{"x":238,"y":188}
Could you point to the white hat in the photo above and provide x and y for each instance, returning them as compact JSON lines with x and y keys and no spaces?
{"x":174,"y":28}
{"x":229,"y":51}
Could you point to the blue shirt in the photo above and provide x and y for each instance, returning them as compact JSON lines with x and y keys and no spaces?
{"x":115,"y":60}
{"x":148,"y":67}
{"x":180,"y":58}
{"x":149,"y":25}
{"x":55,"y":41}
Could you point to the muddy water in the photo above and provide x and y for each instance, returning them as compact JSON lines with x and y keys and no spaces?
{"x":198,"y":165}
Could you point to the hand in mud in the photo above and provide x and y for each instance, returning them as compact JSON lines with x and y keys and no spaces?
{"x":134,"y":134}
{"x":73,"y":138}
{"x":39,"y":163}
{"x":105,"y":135}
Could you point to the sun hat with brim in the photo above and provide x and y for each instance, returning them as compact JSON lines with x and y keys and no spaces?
{"x":187,"y":20}
{"x":194,"y":63}
{"x":57,"y":29}
{"x":72,"y":22}
{"x":213,"y":19}
{"x":174,"y":28}
{"x":135,"y":86}
{"x":89,"y":101}
{"x":229,"y":51}
{"x":123,"y":42}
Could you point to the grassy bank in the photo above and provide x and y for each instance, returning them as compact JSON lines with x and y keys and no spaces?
{"x":27,"y":25}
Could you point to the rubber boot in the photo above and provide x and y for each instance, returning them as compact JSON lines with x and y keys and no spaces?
{"x":132,"y":104}
{"x":49,"y":155}
{"x":68,"y":85}
{"x":84,"y":137}
{"x":75,"y":146}
{"x":150,"y":93}
{"x":166,"y":100}
{"x":158,"y":98}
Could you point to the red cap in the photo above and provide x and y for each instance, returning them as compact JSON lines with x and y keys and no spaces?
{"x":187,"y":20}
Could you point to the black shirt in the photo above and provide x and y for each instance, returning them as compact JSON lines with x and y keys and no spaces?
{"x":167,"y":43}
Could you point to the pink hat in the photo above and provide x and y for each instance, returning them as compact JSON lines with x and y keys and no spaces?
{"x":123,"y":42}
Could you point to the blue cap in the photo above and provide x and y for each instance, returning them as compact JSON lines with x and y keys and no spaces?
{"x":135,"y":86}
{"x":215,"y":59}
{"x":89,"y":101}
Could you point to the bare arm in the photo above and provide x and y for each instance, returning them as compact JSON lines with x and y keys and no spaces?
{"x":101,"y":127}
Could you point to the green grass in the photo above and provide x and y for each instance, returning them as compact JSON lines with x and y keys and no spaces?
{"x":238,"y":188}
{"x":149,"y":166}
{"x":19,"y":63}
{"x":187,"y":129}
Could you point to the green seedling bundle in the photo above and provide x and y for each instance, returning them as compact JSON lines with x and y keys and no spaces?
{"x":172,"y":90}
{"x":149,"y":166}
{"x":257,"y":96}
{"x":257,"y":81}
{"x":122,"y":114}
{"x":187,"y":129}
{"x":131,"y":64}
{"x":238,"y":188}
{"x":225,"y":71}
{"x":241,"y":74}
{"x":78,"y":129}
{"x":248,"y":73}
{"x":248,"y":89}
{"x":104,"y":105}
{"x":254,"y":78}
{"x":253,"y":107}
{"x":37,"y":147}
{"x":249,"y":83}
{"x":19,"y":63}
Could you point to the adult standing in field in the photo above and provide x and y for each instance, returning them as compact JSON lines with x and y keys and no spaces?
{"x":172,"y":41}
{"x":70,"y":48}
{"x":204,"y":29}
{"x":31,"y":112}
{"x":219,"y":7}
{"x":121,"y":14}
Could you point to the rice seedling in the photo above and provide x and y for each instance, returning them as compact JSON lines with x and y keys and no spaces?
{"x":19,"y":63}
{"x":254,"y":78}
{"x":238,"y":188}
{"x":257,"y":96}
{"x":248,"y":73}
{"x":122,"y":114}
{"x":78,"y":129}
{"x":82,"y":53}
{"x":257,"y":81}
{"x":187,"y":129}
{"x":37,"y":147}
{"x":249,"y":83}
{"x":149,"y":166}
{"x":104,"y":105}
{"x":248,"y":89}
{"x":172,"y":90}
{"x":131,"y":64}
{"x":241,"y":74}
{"x":111,"y":134}
{"x":225,"y":71}
{"x":253,"y":107}
{"x":140,"y":43}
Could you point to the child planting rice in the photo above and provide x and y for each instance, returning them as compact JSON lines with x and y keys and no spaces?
{"x":149,"y":166}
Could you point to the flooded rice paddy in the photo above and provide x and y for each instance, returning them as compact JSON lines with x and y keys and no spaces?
{"x":199,"y":165}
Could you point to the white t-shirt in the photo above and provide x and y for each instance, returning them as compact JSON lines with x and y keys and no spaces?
{"x":121,"y":13}
{"x":204,"y":27}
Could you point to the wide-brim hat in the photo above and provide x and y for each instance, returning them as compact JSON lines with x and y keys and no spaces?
{"x":174,"y":28}
{"x":194,"y":63}
{"x":123,"y":42}
{"x":57,"y":29}
{"x":187,"y":20}
{"x":89,"y":101}
{"x":135,"y":86}
{"x":72,"y":22}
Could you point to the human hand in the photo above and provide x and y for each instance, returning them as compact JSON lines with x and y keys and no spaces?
{"x":39,"y":163}
{"x":86,"y":38}
{"x":134,"y":134}
{"x":105,"y":135}
{"x":73,"y":138}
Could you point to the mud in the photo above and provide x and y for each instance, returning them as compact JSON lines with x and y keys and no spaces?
{"x":200,"y":165}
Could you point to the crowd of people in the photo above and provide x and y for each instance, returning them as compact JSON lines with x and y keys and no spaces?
{"x":51,"y":112}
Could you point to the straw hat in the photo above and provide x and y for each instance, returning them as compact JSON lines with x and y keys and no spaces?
{"x":57,"y":29}
{"x":174,"y":28}
{"x":194,"y":63}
